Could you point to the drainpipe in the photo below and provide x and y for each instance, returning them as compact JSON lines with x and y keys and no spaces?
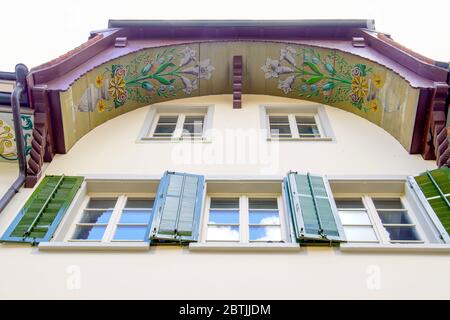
{"x":21,"y":73}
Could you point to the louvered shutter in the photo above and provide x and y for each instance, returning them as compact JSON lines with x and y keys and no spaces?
{"x":40,"y":216}
{"x":313,"y":211}
{"x":177,"y":208}
{"x":434,"y":188}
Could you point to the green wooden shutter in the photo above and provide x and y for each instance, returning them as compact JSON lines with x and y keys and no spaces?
{"x":435,"y":188}
{"x":40,"y":216}
{"x":312,"y":208}
{"x":177,"y":208}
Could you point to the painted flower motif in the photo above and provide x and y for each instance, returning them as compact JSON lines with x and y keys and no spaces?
{"x":378,"y":80}
{"x":101,"y":105}
{"x":273,"y":69}
{"x":120,"y":71}
{"x":354,"y":98}
{"x":203,"y":70}
{"x":116,"y":87}
{"x":122,"y":96}
{"x":286,"y":84}
{"x":188,"y":55}
{"x":288,"y":55}
{"x":374,"y":105}
{"x":189,"y":85}
{"x":356,"y":72}
{"x":360,"y":86}
{"x":99,"y":81}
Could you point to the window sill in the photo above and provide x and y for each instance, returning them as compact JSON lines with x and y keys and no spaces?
{"x":259,"y":247}
{"x":174,"y":140}
{"x":94,"y":246}
{"x":300,"y":139}
{"x":396,"y":248}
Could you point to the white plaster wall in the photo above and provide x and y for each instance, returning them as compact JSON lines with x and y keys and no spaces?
{"x":173,"y":272}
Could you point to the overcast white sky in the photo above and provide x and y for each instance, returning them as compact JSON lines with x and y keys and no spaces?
{"x":47,"y":29}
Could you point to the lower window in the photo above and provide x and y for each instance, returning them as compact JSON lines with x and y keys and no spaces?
{"x":244,"y":219}
{"x":377,"y":219}
{"x":118,"y":218}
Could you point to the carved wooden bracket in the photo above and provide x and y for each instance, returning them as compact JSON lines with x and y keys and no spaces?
{"x":42,"y":143}
{"x":436,"y":139}
{"x":237,"y":82}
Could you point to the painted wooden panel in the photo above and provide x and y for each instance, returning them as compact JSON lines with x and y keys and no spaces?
{"x":321,"y":75}
{"x":8,"y":150}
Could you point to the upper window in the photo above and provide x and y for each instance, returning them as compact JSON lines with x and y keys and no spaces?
{"x":297,"y":123}
{"x":177,"y":123}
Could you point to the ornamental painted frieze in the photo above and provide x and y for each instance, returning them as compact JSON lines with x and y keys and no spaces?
{"x":8,"y":150}
{"x":164,"y":74}
{"x":315,"y":75}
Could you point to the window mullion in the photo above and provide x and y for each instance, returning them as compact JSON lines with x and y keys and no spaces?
{"x":115,"y":216}
{"x":243,"y":219}
{"x":412,"y":216}
{"x":382,"y":232}
{"x":179,"y":127}
{"x":293,"y":126}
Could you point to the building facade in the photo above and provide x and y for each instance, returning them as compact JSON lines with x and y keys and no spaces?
{"x":191,"y":160}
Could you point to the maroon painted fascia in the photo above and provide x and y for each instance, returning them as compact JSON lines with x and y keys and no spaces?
{"x":49,"y":73}
{"x":414,"y":64}
{"x":422,"y":112}
{"x":57,"y":122}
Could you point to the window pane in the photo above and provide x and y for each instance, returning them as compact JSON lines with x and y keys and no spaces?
{"x":223,"y":233}
{"x":164,"y":129}
{"x":263,"y":203}
{"x":388,"y":203}
{"x":305,"y":120}
{"x":194,"y":119}
{"x":130,"y":233}
{"x":402,"y":233}
{"x":193,"y":129}
{"x":349,"y":204}
{"x":264,"y":217}
{"x":394,"y":217}
{"x":101,"y":203}
{"x":224,"y":216}
{"x":168,"y":119}
{"x":135,"y":216}
{"x":354,"y":217}
{"x":224,"y":203}
{"x":353,"y":233}
{"x":139,"y":203}
{"x":89,"y":232}
{"x":308,"y":130}
{"x":280,"y":130}
{"x":279,"y":120}
{"x":261,"y":233}
{"x":90,"y":216}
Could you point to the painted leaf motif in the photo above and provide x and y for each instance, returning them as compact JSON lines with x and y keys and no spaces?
{"x":313,"y":80}
{"x":164,"y":66}
{"x":313,"y":67}
{"x":163,"y":80}
{"x":146,"y":69}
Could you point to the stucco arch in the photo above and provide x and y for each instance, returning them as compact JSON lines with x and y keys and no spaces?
{"x":296,"y":70}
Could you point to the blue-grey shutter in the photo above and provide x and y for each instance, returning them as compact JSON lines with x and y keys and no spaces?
{"x":40,"y":216}
{"x":177,"y":208}
{"x":313,"y":211}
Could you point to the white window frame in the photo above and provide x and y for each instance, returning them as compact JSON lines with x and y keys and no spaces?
{"x":157,"y":111}
{"x":244,"y":225}
{"x":379,"y":229}
{"x":291,"y":111}
{"x":113,"y":223}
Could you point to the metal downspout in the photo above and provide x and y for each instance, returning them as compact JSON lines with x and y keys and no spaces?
{"x":21,"y":73}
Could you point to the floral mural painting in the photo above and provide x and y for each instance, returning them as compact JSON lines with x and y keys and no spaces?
{"x":329,"y":77}
{"x":8,"y":151}
{"x":163,"y":74}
